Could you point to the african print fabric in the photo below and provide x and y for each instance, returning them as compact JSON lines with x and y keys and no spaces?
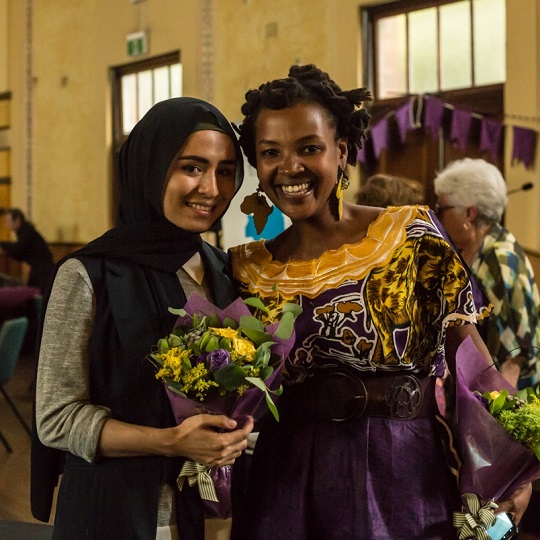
{"x":380,"y":304}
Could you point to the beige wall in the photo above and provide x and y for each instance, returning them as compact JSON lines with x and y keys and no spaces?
{"x":75,"y":42}
{"x":522,"y":108}
{"x":3,"y":45}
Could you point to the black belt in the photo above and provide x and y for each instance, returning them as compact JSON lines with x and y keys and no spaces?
{"x":340,"y":395}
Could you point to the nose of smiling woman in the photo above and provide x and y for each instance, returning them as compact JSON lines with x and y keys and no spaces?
{"x":290,"y":165}
{"x":208,"y":184}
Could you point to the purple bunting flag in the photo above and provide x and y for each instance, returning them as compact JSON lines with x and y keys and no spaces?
{"x":379,"y":136}
{"x":461,"y":125}
{"x":524,"y":146}
{"x":403,"y":119}
{"x":490,"y":137}
{"x":433,"y":115}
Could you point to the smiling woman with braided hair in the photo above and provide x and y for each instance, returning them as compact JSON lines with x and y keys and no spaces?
{"x":359,"y":452}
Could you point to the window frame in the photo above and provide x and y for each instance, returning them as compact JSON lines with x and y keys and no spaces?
{"x":369,"y":17}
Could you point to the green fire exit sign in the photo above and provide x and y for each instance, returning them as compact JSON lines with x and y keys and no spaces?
{"x":137,"y":43}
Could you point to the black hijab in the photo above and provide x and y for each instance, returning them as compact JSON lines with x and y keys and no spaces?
{"x":142,"y":234}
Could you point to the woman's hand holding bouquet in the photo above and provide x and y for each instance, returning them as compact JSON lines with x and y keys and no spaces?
{"x":498,"y":434}
{"x":222,"y":362}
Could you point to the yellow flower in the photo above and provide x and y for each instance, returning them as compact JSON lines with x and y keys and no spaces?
{"x":225,"y":332}
{"x":244,"y":347}
{"x":172,"y":363}
{"x":494,"y":395}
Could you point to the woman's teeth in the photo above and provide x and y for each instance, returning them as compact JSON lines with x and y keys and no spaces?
{"x":296,"y":188}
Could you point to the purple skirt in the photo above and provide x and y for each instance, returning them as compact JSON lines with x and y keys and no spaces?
{"x":370,"y":478}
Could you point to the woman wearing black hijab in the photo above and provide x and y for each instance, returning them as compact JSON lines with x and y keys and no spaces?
{"x":102,"y":418}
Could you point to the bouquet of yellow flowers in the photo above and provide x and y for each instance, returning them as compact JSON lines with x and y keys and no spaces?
{"x":498,"y":436}
{"x":222,"y":362}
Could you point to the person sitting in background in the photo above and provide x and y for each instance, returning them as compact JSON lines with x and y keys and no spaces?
{"x":387,"y":190}
{"x":471,"y":200}
{"x":30,"y":248}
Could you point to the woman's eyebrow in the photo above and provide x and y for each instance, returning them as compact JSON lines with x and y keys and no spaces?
{"x":201,"y":159}
{"x":301,"y":140}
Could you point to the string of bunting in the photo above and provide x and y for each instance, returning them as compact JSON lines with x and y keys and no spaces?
{"x":427,"y":112}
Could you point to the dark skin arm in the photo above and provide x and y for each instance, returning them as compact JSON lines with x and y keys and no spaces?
{"x":517,"y":503}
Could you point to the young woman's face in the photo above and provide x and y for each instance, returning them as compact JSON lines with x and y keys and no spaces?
{"x":201,"y":181}
{"x":298,"y":158}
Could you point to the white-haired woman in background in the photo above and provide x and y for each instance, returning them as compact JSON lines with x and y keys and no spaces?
{"x":471,"y":201}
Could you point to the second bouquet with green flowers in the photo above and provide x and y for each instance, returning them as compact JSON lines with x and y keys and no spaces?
{"x":498,"y":436}
{"x":222,"y":361}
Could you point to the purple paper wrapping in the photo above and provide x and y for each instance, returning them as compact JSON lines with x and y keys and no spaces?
{"x":494,"y":465}
{"x":252,"y":402}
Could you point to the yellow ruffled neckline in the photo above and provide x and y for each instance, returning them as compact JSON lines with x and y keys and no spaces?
{"x":253,"y":263}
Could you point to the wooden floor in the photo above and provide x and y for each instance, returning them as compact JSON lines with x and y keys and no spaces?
{"x":15,"y":467}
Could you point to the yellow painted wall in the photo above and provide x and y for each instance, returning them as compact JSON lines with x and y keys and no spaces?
{"x":75,"y":42}
{"x":3,"y":46}
{"x":522,"y":108}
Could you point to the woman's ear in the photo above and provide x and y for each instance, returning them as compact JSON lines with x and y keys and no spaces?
{"x":343,"y":152}
{"x":472,"y":213}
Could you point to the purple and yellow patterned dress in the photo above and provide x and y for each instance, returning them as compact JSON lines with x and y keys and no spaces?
{"x":375,"y":308}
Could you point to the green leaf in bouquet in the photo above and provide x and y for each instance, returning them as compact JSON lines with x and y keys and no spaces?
{"x":204,"y":340}
{"x":263,"y":355}
{"x":265,"y":372}
{"x":174,"y":341}
{"x":257,"y":336}
{"x":286,"y":326}
{"x":179,"y":331}
{"x":177,"y":311}
{"x":225,"y":343}
{"x":213,"y":321}
{"x":251,"y":323}
{"x":229,"y":323}
{"x":497,"y":405}
{"x":186,"y":364}
{"x":279,"y":390}
{"x":212,"y":344}
{"x":291,"y":307}
{"x":523,"y":395}
{"x":256,"y":381}
{"x":230,"y":377}
{"x":163,"y":346}
{"x":271,"y":406}
{"x":156,"y":359}
{"x":176,"y":387}
{"x":256,"y":303}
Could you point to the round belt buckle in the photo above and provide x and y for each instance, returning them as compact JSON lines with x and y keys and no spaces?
{"x":404,"y":397}
{"x":358,"y":402}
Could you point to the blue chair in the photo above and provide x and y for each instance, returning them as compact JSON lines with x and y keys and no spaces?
{"x":12,"y":334}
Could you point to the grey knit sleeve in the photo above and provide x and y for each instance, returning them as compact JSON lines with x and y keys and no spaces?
{"x":65,"y":418}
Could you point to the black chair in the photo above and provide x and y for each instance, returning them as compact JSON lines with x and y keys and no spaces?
{"x":12,"y":335}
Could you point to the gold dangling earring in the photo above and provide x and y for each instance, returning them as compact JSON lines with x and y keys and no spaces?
{"x":257,"y":204}
{"x":342,"y":184}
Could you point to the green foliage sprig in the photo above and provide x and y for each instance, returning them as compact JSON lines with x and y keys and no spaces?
{"x":518,"y":414}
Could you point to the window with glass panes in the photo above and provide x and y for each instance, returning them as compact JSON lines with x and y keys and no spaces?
{"x":421,"y":46}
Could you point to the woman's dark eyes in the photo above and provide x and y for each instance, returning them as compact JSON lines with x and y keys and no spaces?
{"x":311,"y":149}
